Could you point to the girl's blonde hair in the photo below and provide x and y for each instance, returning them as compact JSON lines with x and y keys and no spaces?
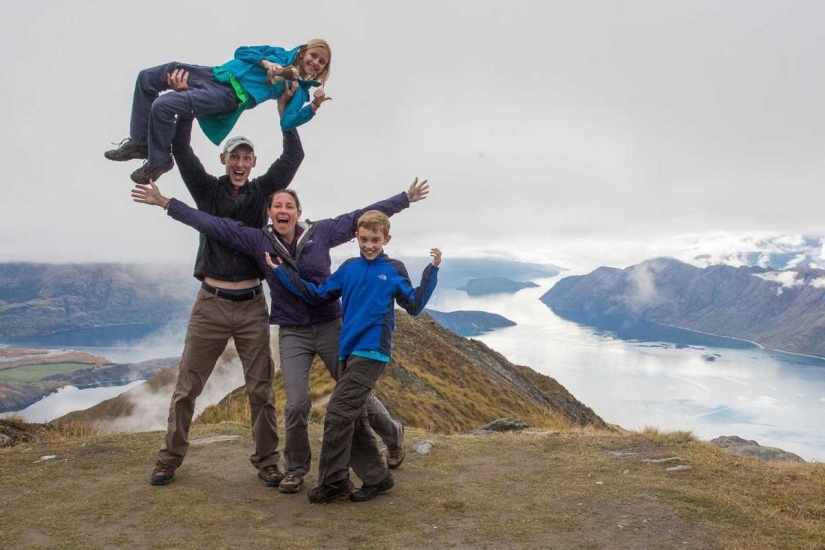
{"x":316,"y":43}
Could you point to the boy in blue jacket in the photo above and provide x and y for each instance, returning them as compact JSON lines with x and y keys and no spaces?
{"x":367,"y":285}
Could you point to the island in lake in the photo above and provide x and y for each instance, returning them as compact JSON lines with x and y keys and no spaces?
{"x":495,"y":285}
{"x":469,"y":323}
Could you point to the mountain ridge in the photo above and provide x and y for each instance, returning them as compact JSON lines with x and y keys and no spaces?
{"x":782,"y":310}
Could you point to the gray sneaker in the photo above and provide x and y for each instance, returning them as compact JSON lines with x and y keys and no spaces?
{"x":291,"y":484}
{"x":396,"y":456}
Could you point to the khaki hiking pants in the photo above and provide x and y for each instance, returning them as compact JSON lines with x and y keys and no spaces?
{"x":213,"y":321}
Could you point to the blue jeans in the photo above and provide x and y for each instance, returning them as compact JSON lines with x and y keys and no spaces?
{"x":154,"y":115}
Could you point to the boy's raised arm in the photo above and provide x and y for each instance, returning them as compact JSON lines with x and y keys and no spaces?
{"x":413,"y":300}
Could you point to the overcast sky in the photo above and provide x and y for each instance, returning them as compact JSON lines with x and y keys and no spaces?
{"x":545,"y":128}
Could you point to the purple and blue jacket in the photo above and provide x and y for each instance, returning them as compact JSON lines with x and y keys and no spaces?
{"x":313,"y":242}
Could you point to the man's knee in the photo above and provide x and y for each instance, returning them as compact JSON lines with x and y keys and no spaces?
{"x":260,"y":393}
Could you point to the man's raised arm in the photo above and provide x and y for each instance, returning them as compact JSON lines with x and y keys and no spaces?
{"x":283,"y":170}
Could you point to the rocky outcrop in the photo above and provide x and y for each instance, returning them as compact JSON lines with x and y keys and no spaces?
{"x":782,"y":310}
{"x":743,"y":447}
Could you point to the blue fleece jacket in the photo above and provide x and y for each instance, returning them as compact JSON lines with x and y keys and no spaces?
{"x":367,"y":290}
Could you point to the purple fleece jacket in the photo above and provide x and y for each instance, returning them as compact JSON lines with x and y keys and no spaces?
{"x":314,"y":240}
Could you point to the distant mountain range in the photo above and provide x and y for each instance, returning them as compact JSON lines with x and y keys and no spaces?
{"x":37,"y":299}
{"x":494,"y":285}
{"x":470,"y":323}
{"x":778,"y":309}
{"x":56,"y":299}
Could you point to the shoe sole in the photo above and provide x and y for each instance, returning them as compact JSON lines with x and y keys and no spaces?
{"x":272,"y":483}
{"x":355,"y":498}
{"x":342,"y":494}
{"x":397,"y":464}
{"x":161,"y":481}
{"x":290,"y":490}
{"x":124,"y":159}
{"x":141,"y":181}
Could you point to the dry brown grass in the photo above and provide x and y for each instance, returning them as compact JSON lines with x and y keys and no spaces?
{"x":500,"y":491}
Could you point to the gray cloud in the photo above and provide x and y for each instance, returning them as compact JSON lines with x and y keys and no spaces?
{"x":538,"y":123}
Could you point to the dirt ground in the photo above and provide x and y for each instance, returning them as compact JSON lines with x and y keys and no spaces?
{"x":554,"y":491}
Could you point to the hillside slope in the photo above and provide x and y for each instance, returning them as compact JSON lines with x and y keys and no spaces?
{"x":436,"y":380}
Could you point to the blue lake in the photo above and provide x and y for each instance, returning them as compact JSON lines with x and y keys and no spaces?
{"x":777,"y":399}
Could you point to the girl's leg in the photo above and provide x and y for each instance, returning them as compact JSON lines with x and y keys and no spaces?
{"x":205,"y":96}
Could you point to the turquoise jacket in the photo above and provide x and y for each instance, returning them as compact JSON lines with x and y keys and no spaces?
{"x":247,"y":70}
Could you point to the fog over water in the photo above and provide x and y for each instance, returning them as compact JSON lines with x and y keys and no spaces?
{"x":70,"y":398}
{"x":774,"y":398}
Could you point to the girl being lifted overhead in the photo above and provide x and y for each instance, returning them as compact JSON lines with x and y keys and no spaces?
{"x":217,"y":96}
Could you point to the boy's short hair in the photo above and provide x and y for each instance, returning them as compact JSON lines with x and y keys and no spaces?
{"x":375,"y":221}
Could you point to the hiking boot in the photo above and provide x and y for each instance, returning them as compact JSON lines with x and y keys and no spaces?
{"x":271,"y":475}
{"x":128,"y":150}
{"x":163,"y":474}
{"x":145,"y":173}
{"x":333,"y":491}
{"x":396,"y":456}
{"x":291,"y":484}
{"x":369,"y":492}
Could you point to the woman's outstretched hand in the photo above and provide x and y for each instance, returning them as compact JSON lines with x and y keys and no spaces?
{"x":418,"y":191}
{"x":149,"y":194}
